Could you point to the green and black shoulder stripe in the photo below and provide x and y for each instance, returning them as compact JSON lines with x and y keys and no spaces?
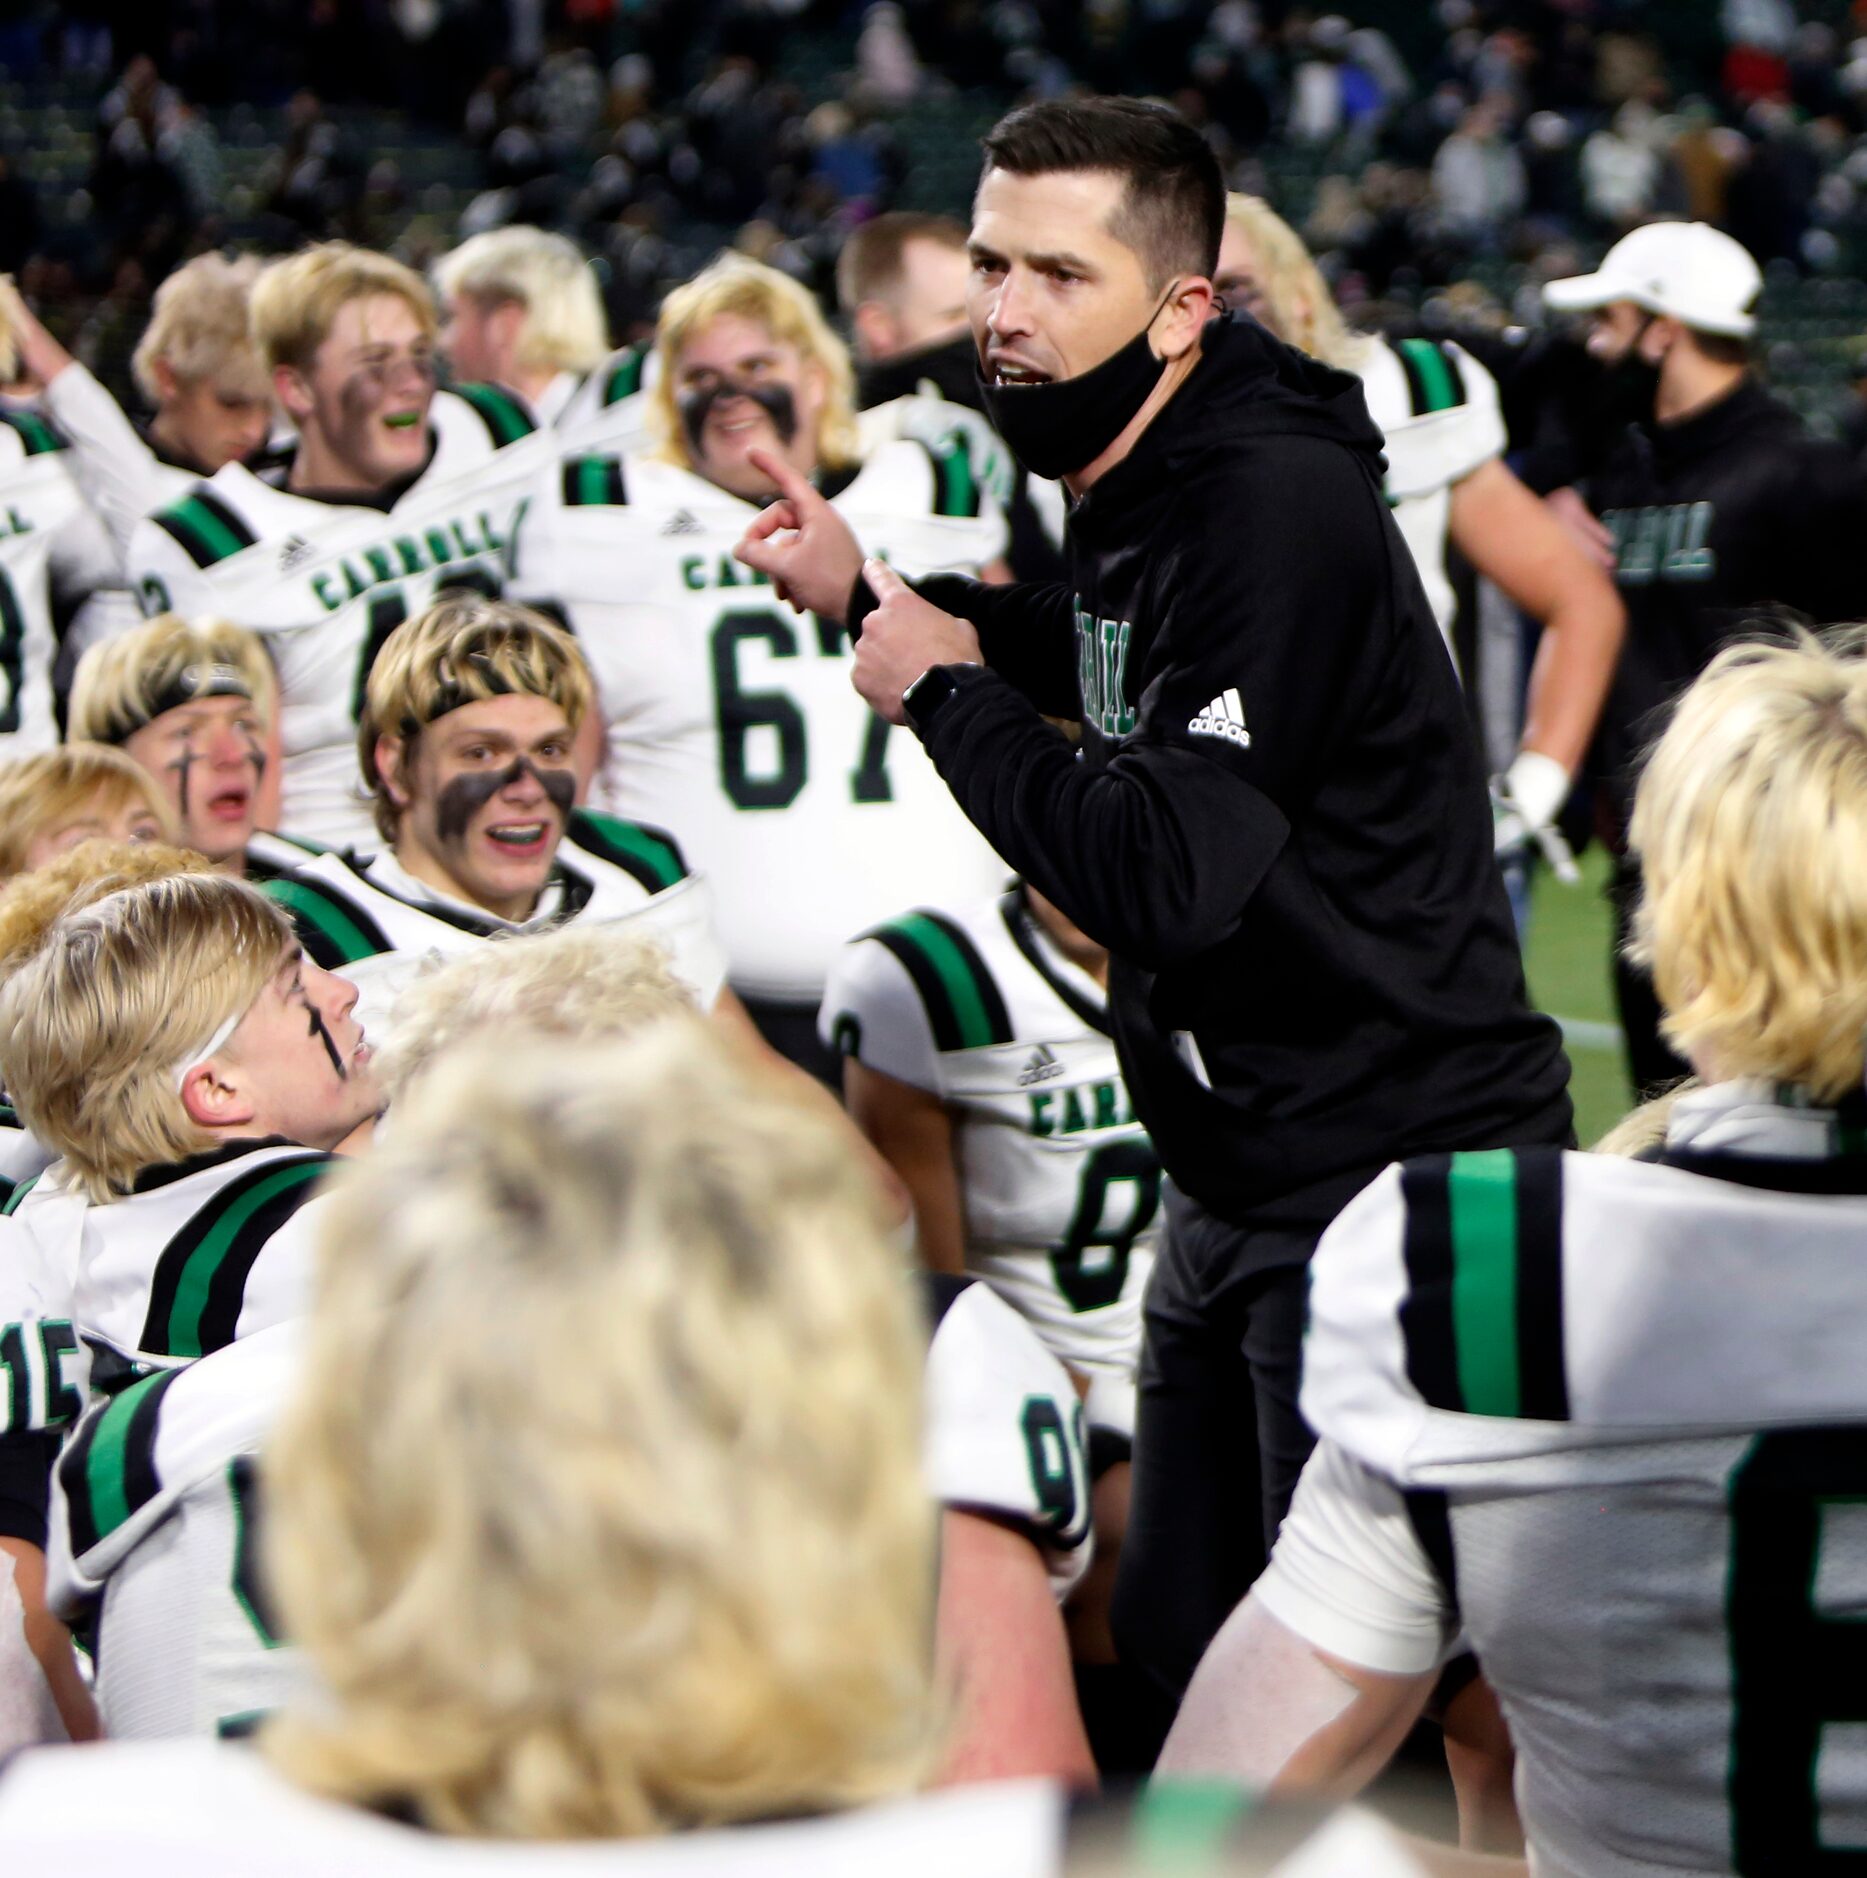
{"x":333,"y":928}
{"x":623,"y":378}
{"x":199,"y":1288}
{"x":108,"y":1470}
{"x":207,"y":527}
{"x":594,"y":482}
{"x":965,"y":1008}
{"x":39,"y":436}
{"x":1434,"y":381}
{"x":956,"y":486}
{"x":1482,"y":1317}
{"x":17,"y":1198}
{"x":650,"y":854}
{"x":505,"y":417}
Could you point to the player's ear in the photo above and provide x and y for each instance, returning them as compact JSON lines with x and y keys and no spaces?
{"x":167,"y":384}
{"x":291,"y":391}
{"x":389,"y":754}
{"x":507,"y":319}
{"x":874,"y":328}
{"x":212,"y":1099}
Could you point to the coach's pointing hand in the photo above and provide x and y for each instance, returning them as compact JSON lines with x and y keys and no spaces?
{"x":802,"y":543}
{"x":902,"y":638}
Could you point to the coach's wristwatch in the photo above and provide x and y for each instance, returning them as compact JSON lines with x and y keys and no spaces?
{"x":924,"y":698}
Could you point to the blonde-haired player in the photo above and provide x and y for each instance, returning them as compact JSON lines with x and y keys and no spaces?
{"x":731,"y":722}
{"x":520,"y":308}
{"x":1447,"y":481}
{"x":1605,"y":1416}
{"x":197,"y":366}
{"x":392,"y":492}
{"x":466,"y":743}
{"x":195,"y":702}
{"x":79,"y":792}
{"x":194,"y":1112}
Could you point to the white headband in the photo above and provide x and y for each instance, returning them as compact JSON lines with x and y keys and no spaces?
{"x":194,"y":1062}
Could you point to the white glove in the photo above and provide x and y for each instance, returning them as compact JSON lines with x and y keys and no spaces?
{"x":1525,"y":801}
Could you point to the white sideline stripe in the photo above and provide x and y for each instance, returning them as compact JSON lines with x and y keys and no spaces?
{"x":1586,"y":1034}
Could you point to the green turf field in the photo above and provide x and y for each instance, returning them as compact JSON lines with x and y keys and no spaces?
{"x":1567,"y":960}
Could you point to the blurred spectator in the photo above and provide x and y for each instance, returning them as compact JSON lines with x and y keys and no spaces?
{"x":885,"y":57}
{"x":1478,"y":177}
{"x":1621,"y":167}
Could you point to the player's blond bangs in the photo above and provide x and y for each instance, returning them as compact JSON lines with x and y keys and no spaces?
{"x":584,"y":980}
{"x":1750,"y":822}
{"x":734,"y":284}
{"x":638,"y":1543}
{"x":120,"y":681}
{"x":1303,"y":310}
{"x":296,"y":301}
{"x":39,"y":792}
{"x":464,"y":649}
{"x":32,"y":904}
{"x":565,"y":328}
{"x":119,"y":993}
{"x":200,"y":327}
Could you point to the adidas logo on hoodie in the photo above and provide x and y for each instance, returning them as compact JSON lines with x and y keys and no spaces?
{"x":1223,"y":717}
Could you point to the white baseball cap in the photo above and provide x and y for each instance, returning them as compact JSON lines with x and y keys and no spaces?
{"x":1685,"y":270}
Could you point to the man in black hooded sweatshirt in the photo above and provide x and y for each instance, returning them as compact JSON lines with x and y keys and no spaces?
{"x":1275,"y":820}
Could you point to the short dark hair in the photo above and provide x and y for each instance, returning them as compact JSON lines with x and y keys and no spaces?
{"x":1172,"y":211}
{"x":1722,"y":348}
{"x":870,"y":263}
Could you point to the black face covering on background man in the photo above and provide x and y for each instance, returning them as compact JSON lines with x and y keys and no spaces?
{"x":1065,"y":425}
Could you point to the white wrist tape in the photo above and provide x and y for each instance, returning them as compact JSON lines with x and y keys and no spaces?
{"x":1538,"y":786}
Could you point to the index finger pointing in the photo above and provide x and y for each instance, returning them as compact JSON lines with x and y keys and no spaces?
{"x":793,"y":487}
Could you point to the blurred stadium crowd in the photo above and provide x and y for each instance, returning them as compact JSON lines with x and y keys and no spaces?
{"x":1441,"y":161}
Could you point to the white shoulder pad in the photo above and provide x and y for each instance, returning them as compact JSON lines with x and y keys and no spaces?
{"x":1004,"y":1428}
{"x":872,"y":1011}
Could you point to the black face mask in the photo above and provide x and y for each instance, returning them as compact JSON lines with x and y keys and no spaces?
{"x":774,"y":400}
{"x":1065,"y":425}
{"x":1630,"y":385}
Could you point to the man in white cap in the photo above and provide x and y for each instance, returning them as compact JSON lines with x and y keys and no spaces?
{"x":1721,"y":508}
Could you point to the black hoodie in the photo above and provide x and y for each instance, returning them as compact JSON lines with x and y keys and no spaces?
{"x":1277,"y":822}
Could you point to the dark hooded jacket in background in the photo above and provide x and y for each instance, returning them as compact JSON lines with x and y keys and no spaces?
{"x":1277,"y":820}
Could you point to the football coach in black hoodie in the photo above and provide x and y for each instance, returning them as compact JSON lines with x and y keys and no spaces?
{"x":1276,"y":818}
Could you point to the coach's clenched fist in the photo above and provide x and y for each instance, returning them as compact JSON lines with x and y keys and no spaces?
{"x":903,"y":637}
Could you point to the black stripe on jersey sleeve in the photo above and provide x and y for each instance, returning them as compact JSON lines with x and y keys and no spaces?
{"x":1542,"y":1356}
{"x":38,"y":434}
{"x":1429,"y":1514}
{"x":650,"y":855}
{"x":1426,"y":1311}
{"x":334,"y":929}
{"x":26,"y":1484}
{"x":136,"y":1464}
{"x":964,"y":1007}
{"x":625,"y":378}
{"x":505,"y":418}
{"x":226,"y":1285}
{"x":594,"y":482}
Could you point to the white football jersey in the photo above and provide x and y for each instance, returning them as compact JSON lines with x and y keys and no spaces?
{"x":153,"y":1542}
{"x":42,"y":1367}
{"x":1003,"y":1430}
{"x":1438,"y":412}
{"x":210,"y":1809}
{"x":608,"y":409}
{"x":370,"y":920}
{"x":325,"y":583}
{"x":199,"y":1253}
{"x":22,"y":1155}
{"x":733,"y":720}
{"x":976,"y":1005}
{"x":1627,"y":1405}
{"x":51,"y":545}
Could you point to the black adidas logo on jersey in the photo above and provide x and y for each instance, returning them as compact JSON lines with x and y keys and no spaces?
{"x":681,"y":523}
{"x":296,"y":549}
{"x":1042,"y":1066}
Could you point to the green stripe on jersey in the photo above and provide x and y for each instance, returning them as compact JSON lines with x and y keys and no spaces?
{"x":109,"y":1471}
{"x":33,"y":431}
{"x":956,"y":987}
{"x":646,"y":853}
{"x":956,"y":491}
{"x":1185,"y":1825}
{"x":328,"y":930}
{"x":593,"y":482}
{"x":1437,"y":389}
{"x":625,"y":378}
{"x":206,"y":527}
{"x":221,"y":1240}
{"x":16,"y":1198}
{"x":1482,"y":1196}
{"x":503,"y":414}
